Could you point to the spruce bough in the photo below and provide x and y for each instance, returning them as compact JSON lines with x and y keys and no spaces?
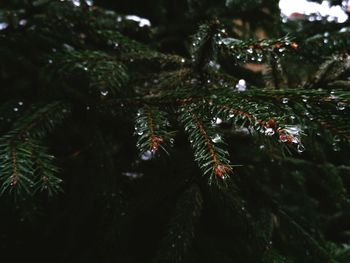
{"x":235,"y":149}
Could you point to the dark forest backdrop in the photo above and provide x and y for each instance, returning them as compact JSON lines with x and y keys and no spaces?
{"x":173,"y":131}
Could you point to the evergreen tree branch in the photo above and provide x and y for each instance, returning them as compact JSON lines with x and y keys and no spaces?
{"x":212,"y":159}
{"x":106,"y":75}
{"x":255,"y":51}
{"x":263,"y":121}
{"x":37,"y":122}
{"x":16,"y":173}
{"x":25,"y":166}
{"x":203,"y":44}
{"x":152,"y":129}
{"x":317,"y":250}
{"x":330,"y":71}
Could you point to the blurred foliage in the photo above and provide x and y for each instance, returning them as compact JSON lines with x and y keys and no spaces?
{"x":218,"y":133}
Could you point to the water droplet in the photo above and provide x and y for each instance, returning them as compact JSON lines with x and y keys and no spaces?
{"x":332,"y":95}
{"x":104,"y":92}
{"x":341,"y":105}
{"x":241,"y":85}
{"x":295,"y":140}
{"x":301,"y":148}
{"x":147,"y":155}
{"x":217,"y":121}
{"x":115,"y":45}
{"x":76,"y":2}
{"x":293,"y":130}
{"x":89,"y":2}
{"x":68,"y":47}
{"x":336,"y":147}
{"x":22,"y":22}
{"x":214,"y":65}
{"x":132,"y":175}
{"x":216,"y":138}
{"x":269,"y":132}
{"x":3,"y":25}
{"x":336,"y":138}
{"x":285,"y":100}
{"x":336,"y":143}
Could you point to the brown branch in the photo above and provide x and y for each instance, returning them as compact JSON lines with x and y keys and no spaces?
{"x":155,"y":139}
{"x":270,"y":124}
{"x":220,"y":169}
{"x":15,"y":175}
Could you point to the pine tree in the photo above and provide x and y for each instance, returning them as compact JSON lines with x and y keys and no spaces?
{"x":217,"y":132}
